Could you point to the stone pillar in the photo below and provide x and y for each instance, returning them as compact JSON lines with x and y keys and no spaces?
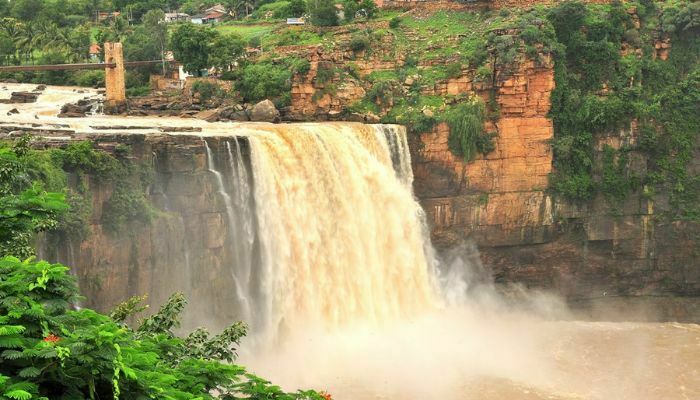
{"x":115,"y":102}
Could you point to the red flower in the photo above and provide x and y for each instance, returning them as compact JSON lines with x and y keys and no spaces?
{"x":52,"y":338}
{"x":326,"y":395}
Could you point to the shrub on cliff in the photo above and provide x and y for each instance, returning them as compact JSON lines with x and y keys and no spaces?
{"x":207,"y":91}
{"x":25,"y":207}
{"x":359,"y":43}
{"x":264,"y":81}
{"x":467,"y":134}
{"x":395,"y":22}
{"x":323,"y":12}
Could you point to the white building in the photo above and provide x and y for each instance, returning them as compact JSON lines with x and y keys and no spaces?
{"x":176,"y":17}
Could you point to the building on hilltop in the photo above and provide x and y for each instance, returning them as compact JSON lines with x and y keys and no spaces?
{"x":176,"y":17}
{"x":208,"y":18}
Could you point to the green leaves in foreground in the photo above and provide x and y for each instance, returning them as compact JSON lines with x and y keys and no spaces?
{"x":48,"y":350}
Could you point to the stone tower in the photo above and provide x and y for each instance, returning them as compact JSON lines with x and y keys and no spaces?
{"x":115,"y":102}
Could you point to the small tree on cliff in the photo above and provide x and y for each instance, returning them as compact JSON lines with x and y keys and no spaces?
{"x":192,"y":46}
{"x":296,"y":8}
{"x":323,"y":12}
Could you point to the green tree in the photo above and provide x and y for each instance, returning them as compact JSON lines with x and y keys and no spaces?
{"x":296,"y":8}
{"x":323,"y":12}
{"x":13,"y":30}
{"x":26,"y":10}
{"x":157,"y":30}
{"x":369,"y":7}
{"x":79,"y":40}
{"x":191,"y":46}
{"x":225,"y":50}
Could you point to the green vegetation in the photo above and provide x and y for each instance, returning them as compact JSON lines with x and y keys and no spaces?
{"x":246,"y":30}
{"x":467,"y":134}
{"x":323,"y":13}
{"x":260,"y":81}
{"x":359,"y":43}
{"x":192,"y":45}
{"x":663,"y":96}
{"x":27,"y":207}
{"x":50,"y":351}
{"x":207,"y":91}
{"x":24,"y":169}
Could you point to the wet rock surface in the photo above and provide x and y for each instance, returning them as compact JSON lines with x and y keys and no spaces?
{"x":77,"y":110}
{"x":21,"y":97}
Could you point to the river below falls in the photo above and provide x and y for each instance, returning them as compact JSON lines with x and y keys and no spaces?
{"x":469,"y":352}
{"x":484,"y":353}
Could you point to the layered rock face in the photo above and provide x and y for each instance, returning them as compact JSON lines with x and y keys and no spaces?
{"x":526,"y":234}
{"x":499,"y":198}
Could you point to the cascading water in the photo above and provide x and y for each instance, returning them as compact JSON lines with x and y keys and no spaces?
{"x":239,"y":280}
{"x":341,"y":234}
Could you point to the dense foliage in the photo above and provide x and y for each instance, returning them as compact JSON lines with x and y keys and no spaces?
{"x":34,"y":192}
{"x":192,"y":45}
{"x":323,"y":12}
{"x":602,"y":90}
{"x":49,"y":350}
{"x":467,"y":134}
{"x":26,"y":207}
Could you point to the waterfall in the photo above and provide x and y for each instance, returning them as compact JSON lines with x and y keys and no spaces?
{"x":341,"y":233}
{"x":240,"y":285}
{"x":397,"y":146}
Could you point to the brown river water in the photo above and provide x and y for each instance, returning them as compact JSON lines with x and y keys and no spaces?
{"x":481,"y":349}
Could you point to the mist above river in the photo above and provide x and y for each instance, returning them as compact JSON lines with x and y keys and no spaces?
{"x":488,"y":350}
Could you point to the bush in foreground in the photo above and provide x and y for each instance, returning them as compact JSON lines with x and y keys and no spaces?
{"x":48,"y":350}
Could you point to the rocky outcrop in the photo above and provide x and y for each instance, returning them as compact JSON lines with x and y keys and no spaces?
{"x":77,"y":110}
{"x":526,"y":234}
{"x":264,"y":111}
{"x":498,"y":199}
{"x":21,"y":97}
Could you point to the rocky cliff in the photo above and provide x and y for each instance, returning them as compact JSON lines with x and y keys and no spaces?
{"x":185,"y":234}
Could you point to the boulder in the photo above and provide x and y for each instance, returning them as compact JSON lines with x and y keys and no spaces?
{"x":13,"y":111}
{"x":265,"y":111}
{"x":208,"y":115}
{"x":40,"y":88}
{"x":23,"y":97}
{"x":239,"y":116}
{"x":76,"y":110}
